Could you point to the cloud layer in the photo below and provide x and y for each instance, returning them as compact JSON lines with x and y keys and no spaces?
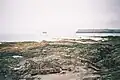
{"x":57,"y":17}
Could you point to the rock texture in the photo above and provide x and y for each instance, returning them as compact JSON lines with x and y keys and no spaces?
{"x":61,"y":60}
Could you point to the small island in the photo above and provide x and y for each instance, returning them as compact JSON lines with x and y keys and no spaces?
{"x":98,"y":31}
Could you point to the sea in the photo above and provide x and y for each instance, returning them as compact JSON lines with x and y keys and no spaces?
{"x":34,"y":37}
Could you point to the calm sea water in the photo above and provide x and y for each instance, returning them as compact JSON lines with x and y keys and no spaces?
{"x":33,"y":37}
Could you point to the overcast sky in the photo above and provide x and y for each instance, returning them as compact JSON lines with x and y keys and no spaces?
{"x":57,"y":17}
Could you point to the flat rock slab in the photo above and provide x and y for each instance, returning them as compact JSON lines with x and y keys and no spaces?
{"x":67,"y":76}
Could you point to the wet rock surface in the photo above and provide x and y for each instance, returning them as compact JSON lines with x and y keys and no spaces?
{"x":53,"y":59}
{"x":59,"y":61}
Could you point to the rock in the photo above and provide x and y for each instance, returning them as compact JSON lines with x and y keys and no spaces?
{"x":37,"y":79}
{"x":90,"y":77}
{"x":27,"y":76}
{"x":30,"y":78}
{"x":34,"y":72}
{"x":63,"y":72}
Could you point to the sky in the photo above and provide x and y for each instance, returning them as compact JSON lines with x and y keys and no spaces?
{"x":57,"y":17}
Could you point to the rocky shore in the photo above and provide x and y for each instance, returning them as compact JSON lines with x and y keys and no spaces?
{"x":60,"y":60}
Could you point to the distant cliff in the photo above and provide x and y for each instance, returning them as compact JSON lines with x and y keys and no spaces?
{"x":98,"y":31}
